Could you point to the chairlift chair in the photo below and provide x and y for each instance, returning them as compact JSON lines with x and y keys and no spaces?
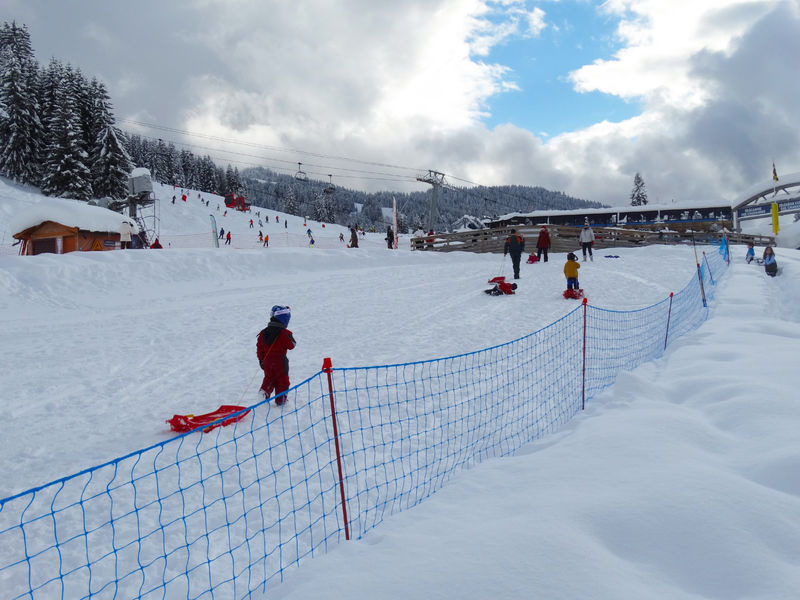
{"x":330,"y":188}
{"x":300,"y":175}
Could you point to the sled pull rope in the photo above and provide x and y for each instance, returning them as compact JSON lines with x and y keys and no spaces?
{"x":248,"y":386}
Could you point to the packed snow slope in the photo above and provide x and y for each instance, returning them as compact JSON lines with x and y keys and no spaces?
{"x":681,"y":481}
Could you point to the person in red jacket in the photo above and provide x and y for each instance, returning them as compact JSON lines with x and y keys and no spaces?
{"x":274,"y":341}
{"x":543,"y":243}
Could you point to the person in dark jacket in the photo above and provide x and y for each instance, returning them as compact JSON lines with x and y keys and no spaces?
{"x":274,"y":341}
{"x":353,"y":238}
{"x":389,"y":238}
{"x":515,"y":245}
{"x":543,"y":243}
{"x":770,"y":265}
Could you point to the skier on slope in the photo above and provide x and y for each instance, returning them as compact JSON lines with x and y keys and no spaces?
{"x":274,"y":341}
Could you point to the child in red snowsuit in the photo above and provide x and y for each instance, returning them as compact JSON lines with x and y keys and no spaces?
{"x":500,"y":287}
{"x":274,"y":341}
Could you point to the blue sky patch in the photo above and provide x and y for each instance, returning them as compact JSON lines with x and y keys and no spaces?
{"x":576,"y":34}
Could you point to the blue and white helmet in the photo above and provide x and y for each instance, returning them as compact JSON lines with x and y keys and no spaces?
{"x":281,"y":313}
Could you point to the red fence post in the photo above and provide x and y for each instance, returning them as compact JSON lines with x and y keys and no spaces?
{"x":583,"y":383}
{"x":669,"y":316}
{"x":326,"y":368}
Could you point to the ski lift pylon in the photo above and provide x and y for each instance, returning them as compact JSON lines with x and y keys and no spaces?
{"x":300,"y":175}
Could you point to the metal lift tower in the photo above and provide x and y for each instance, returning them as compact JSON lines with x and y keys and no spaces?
{"x":436,"y":179}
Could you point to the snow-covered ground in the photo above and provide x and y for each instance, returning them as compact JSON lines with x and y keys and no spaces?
{"x":681,"y":481}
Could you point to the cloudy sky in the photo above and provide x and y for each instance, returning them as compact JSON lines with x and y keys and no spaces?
{"x":699,"y":96}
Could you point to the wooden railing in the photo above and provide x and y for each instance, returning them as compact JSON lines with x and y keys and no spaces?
{"x":565,"y":239}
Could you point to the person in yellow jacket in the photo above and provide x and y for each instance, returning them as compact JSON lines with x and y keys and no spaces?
{"x":571,"y":271}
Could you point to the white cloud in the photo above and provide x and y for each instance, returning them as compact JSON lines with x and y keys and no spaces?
{"x":354,"y":72}
{"x":409,"y":83}
{"x":536,"y":22}
{"x":406,"y":85}
{"x":659,"y":40}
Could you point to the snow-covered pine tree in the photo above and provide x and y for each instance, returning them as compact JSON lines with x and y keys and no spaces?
{"x":233,"y":180}
{"x":64,"y":171}
{"x":220,"y":182}
{"x":371,"y":212}
{"x":133,"y":146}
{"x":290,"y":203}
{"x":318,"y":208}
{"x":83,"y":94}
{"x":236,"y":181}
{"x":208,"y":174}
{"x":189,"y":168}
{"x":110,"y":163}
{"x":174,"y":165}
{"x":50,"y":79}
{"x":155,"y":160}
{"x":328,"y":209}
{"x":402,"y":223}
{"x":99,"y":111}
{"x":227,"y":182}
{"x":638,"y":193}
{"x":20,"y":127}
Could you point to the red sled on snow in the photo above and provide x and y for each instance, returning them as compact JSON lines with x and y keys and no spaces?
{"x":184,"y":423}
{"x":532,"y":258}
{"x":573,"y":294}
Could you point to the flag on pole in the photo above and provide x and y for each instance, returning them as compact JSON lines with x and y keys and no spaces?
{"x":774,"y":172}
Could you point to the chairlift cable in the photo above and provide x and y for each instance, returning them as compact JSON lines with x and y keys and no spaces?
{"x":263,"y":146}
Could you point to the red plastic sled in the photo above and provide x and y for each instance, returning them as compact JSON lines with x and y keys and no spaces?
{"x":574,"y":294}
{"x":532,"y":258}
{"x":184,"y":423}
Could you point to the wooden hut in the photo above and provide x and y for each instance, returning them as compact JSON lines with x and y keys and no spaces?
{"x":59,"y":226}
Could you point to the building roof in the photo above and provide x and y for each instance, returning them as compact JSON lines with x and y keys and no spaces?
{"x":684,"y":205}
{"x":72,"y":213}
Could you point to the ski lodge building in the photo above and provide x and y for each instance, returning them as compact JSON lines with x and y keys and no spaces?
{"x":58,"y":226}
{"x":754,"y":203}
{"x":698,"y":215}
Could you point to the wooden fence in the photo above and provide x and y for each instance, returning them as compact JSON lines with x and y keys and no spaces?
{"x":565,"y":239}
